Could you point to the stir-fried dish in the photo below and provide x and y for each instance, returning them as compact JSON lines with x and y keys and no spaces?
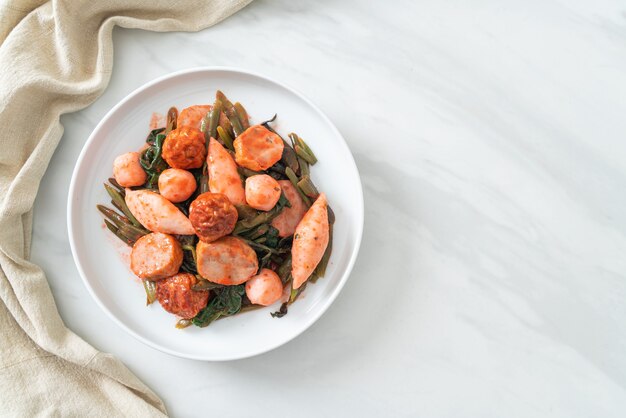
{"x":222,"y":216}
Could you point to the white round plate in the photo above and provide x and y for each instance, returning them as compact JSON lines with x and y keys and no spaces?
{"x":105,"y":270}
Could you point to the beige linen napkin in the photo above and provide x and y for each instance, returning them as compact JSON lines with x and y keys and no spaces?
{"x":55,"y":58}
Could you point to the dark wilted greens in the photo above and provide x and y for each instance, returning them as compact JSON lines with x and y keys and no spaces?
{"x":284,"y":270}
{"x":150,"y":158}
{"x":188,"y":244}
{"x":226,"y":301}
{"x":261,"y":217}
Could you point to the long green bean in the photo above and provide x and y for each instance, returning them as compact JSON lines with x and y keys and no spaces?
{"x":115,"y":184}
{"x":242,"y":115}
{"x":294,"y":180}
{"x":150,"y":288}
{"x":214,"y":119}
{"x":299,"y":143}
{"x":124,"y":233}
{"x":120,"y":221}
{"x":302,"y":153}
{"x":308,"y":188}
{"x":225,"y":137}
{"x":226,"y":125}
{"x":304,"y":167}
{"x":112,"y":215}
{"x":117,"y":233}
{"x":172,"y":116}
{"x":117,"y":197}
{"x":222,"y":98}
{"x":116,"y":205}
{"x":237,"y":126}
{"x":296,"y":292}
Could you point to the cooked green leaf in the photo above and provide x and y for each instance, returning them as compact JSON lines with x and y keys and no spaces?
{"x":226,"y":301}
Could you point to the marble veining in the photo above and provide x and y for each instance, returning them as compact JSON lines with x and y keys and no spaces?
{"x":490,"y":140}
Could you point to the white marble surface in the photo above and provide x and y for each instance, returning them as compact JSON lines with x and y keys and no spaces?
{"x":491,"y":281}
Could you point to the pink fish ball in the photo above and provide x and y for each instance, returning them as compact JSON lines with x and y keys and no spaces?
{"x":176,"y":185}
{"x":265,"y":288}
{"x":127,"y":170}
{"x":262,"y":192}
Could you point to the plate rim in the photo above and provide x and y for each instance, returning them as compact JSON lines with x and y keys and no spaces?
{"x":360,"y":211}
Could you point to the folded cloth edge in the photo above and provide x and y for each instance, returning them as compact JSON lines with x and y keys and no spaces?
{"x":58,"y":59}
